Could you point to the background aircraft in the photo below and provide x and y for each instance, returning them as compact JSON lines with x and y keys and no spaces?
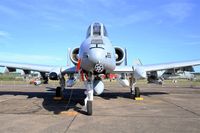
{"x":159,"y":76}
{"x":95,"y":56}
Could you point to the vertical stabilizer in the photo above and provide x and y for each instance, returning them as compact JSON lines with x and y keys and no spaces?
{"x":137,"y":62}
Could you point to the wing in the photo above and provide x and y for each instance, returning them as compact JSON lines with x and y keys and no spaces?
{"x":123,"y":69}
{"x":11,"y":66}
{"x":26,"y":67}
{"x":141,"y":70}
{"x":165,"y":66}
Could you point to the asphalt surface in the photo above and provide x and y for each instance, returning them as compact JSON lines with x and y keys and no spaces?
{"x":32,"y":109}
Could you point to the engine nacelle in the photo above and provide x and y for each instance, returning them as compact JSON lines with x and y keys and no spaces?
{"x":8,"y":69}
{"x":55,"y":73}
{"x":74,"y":55}
{"x":53,"y":76}
{"x":120,"y":55}
{"x":71,"y":82}
{"x":98,"y":87}
{"x":155,"y":77}
{"x":124,"y":82}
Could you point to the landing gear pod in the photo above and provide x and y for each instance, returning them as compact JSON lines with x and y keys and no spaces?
{"x":98,"y":87}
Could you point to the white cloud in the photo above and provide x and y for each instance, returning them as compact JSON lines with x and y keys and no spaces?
{"x":193,"y":36}
{"x":4,"y":34}
{"x":8,"y":11}
{"x":178,"y":11}
{"x":192,"y":43}
{"x":132,"y":18}
{"x":55,"y":13}
{"x":28,"y":58}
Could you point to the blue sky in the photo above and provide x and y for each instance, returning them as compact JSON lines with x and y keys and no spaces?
{"x":41,"y":31}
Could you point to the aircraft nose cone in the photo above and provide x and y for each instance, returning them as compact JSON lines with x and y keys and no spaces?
{"x":96,"y":55}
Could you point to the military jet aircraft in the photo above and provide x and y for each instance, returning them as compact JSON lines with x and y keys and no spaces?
{"x":96,"y":56}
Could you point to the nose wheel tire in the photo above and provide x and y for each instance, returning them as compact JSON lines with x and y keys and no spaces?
{"x":137,"y":92}
{"x":89,"y":107}
{"x":58,"y":92}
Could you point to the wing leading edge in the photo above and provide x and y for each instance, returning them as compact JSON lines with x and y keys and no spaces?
{"x":36,"y":67}
{"x":164,"y":66}
{"x":24,"y":66}
{"x":141,"y":70}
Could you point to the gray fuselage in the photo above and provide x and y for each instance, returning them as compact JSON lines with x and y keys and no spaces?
{"x":97,"y":52}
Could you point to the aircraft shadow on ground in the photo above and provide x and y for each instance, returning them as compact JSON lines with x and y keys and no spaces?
{"x":114,"y":95}
{"x":56,"y":106}
{"x":73,"y":98}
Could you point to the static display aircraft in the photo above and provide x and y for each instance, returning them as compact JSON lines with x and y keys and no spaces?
{"x":180,"y":75}
{"x":96,"y":56}
{"x":159,"y":76}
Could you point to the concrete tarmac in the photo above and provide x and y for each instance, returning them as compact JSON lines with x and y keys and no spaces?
{"x":164,"y":110}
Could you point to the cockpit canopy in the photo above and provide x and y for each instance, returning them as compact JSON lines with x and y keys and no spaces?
{"x":96,"y":29}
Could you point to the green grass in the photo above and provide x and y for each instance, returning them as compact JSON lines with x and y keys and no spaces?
{"x":15,"y":82}
{"x":140,"y":83}
{"x":9,"y":78}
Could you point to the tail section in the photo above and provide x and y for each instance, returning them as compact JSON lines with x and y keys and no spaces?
{"x":137,"y":62}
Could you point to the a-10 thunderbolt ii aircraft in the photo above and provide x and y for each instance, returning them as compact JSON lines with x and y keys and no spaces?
{"x":96,"y":56}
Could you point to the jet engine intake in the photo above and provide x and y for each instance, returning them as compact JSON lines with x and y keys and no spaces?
{"x":120,"y":55}
{"x":74,"y":55}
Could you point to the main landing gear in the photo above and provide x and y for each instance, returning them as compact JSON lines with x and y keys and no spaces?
{"x":89,"y":107}
{"x":60,"y":89}
{"x":89,"y":92}
{"x":135,"y":91}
